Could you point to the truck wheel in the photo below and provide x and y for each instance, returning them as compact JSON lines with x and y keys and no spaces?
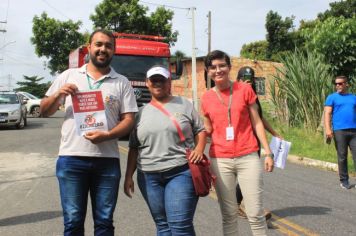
{"x":21,"y":124}
{"x":36,"y":112}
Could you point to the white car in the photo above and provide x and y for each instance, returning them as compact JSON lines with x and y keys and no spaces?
{"x":12,"y":110}
{"x":33,"y":103}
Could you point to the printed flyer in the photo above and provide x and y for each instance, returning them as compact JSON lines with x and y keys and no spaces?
{"x":89,"y":111}
{"x":280,"y":149}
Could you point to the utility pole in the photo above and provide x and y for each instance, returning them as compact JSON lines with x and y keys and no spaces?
{"x":9,"y":82}
{"x":194,"y":64}
{"x":208,"y":79}
{"x":209,"y":31}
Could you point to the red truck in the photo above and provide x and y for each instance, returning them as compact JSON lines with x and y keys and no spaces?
{"x":134,"y":55}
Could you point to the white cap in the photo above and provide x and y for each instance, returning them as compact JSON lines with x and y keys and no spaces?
{"x":158,"y":70}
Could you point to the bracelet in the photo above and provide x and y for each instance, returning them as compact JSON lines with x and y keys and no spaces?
{"x":271,"y":155}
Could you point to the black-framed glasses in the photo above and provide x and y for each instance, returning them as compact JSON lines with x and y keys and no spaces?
{"x":341,"y":83}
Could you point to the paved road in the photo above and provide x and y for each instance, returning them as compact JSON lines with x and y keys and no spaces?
{"x":304,"y":201}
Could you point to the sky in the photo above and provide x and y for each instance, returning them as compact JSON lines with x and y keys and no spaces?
{"x":233,"y":23}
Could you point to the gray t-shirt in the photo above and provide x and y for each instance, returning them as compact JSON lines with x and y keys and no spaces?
{"x":156,"y":136}
{"x":118,"y":98}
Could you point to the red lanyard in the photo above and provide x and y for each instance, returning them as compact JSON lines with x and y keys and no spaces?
{"x":173,"y":119}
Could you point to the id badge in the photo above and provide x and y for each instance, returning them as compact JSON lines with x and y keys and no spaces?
{"x":229,"y":133}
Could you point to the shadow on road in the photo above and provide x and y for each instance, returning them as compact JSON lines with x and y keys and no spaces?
{"x":30,"y":218}
{"x":302,"y":210}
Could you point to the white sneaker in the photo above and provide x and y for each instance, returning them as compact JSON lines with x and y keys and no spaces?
{"x":345,"y":185}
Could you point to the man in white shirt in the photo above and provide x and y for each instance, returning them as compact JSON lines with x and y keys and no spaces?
{"x":90,"y":163}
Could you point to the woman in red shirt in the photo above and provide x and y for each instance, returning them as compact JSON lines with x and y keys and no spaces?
{"x":231,"y":117}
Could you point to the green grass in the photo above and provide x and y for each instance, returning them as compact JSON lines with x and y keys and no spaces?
{"x":304,"y":143}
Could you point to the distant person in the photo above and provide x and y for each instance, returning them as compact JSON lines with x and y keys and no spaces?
{"x":247,"y":75}
{"x":231,"y":116}
{"x":340,"y":124}
{"x":90,"y":163}
{"x":159,"y":154}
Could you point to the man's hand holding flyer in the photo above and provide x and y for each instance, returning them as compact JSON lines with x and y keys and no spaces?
{"x":89,"y":111}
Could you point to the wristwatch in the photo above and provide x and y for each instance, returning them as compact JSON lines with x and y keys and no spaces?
{"x":271,"y":155}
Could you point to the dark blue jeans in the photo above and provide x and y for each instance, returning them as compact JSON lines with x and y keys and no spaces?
{"x":345,"y":139}
{"x":78,"y":176}
{"x":171,"y":198}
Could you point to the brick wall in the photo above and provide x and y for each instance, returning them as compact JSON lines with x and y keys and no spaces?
{"x":183,"y":86}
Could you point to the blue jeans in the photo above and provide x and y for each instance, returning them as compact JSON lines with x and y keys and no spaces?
{"x":78,"y":176}
{"x":343,"y":139}
{"x":171,"y":198}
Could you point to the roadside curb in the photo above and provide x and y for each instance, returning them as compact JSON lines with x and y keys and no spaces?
{"x":314,"y":163}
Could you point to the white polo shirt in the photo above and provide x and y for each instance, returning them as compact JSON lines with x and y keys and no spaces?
{"x":118,"y":99}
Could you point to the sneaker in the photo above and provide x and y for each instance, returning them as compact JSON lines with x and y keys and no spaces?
{"x":345,"y":185}
{"x":241,"y":213}
{"x":268,"y":215}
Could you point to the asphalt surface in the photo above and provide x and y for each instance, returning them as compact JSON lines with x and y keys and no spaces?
{"x":303,"y":200}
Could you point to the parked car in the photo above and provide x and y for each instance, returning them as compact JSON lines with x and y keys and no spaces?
{"x":12,"y":110}
{"x":33,"y":103}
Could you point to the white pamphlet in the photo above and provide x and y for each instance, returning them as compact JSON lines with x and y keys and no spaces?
{"x":280,"y":149}
{"x":89,"y":111}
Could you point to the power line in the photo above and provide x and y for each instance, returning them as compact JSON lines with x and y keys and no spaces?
{"x":55,"y":9}
{"x":161,"y":5}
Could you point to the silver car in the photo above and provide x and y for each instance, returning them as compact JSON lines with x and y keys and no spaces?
{"x":12,"y":110}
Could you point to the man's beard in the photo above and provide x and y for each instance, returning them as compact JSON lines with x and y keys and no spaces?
{"x":100,"y":64}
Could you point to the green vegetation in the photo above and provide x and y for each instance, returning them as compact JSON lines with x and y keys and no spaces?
{"x":305,"y":143}
{"x":299,"y":89}
{"x":31,"y":85}
{"x":54,"y":39}
{"x":128,"y":16}
{"x":332,"y":34}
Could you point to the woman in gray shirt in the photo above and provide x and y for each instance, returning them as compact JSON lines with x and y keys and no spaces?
{"x":156,"y":150}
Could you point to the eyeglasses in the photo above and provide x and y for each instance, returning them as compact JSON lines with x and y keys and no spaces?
{"x":215,"y":67}
{"x":341,"y":83}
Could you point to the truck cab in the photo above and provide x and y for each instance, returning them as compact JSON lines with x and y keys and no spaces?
{"x":134,"y":55}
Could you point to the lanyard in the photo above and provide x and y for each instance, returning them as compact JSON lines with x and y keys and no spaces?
{"x":92,"y":87}
{"x":222,"y":101}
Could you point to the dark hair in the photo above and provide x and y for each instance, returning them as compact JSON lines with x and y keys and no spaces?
{"x":246,"y":70}
{"x":216,"y":54}
{"x":341,"y":77}
{"x":103,"y":31}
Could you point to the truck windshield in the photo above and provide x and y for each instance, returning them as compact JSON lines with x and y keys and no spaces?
{"x":135,"y":67}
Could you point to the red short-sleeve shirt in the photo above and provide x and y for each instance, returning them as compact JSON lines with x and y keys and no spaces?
{"x":244,"y":139}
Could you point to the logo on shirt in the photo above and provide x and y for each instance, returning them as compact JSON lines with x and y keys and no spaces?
{"x":110,"y":100}
{"x":138,"y":93}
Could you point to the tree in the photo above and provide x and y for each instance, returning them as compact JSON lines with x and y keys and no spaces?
{"x":279,"y":37}
{"x":335,"y":38}
{"x":178,"y":55}
{"x":32,"y":85}
{"x":54,"y":39}
{"x":347,"y":9}
{"x":127,"y":16}
{"x":255,"y":50}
